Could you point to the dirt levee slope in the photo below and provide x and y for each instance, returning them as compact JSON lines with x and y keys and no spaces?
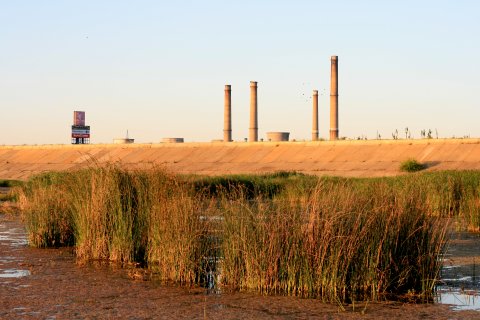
{"x":343,"y":158}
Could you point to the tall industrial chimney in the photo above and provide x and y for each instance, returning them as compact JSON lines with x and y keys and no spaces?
{"x":227,"y":118}
{"x":315,"y":116}
{"x":334,"y":99}
{"x":253,"y":112}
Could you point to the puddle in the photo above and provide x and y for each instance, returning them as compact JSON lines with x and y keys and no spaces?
{"x":450,"y":267}
{"x":16,"y":237}
{"x":19,"y":309}
{"x":14,"y":273}
{"x":7,"y":259}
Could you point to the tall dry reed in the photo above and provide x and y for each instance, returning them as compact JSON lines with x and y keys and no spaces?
{"x":338,"y":239}
{"x":45,"y":204}
{"x":335,"y":242}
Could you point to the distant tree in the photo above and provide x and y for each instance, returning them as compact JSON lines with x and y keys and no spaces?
{"x":395,"y":135}
{"x":429,"y":135}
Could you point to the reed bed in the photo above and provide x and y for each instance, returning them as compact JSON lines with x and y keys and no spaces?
{"x":333,"y":238}
{"x":335,"y":243}
{"x":448,"y":194}
{"x":47,"y":210}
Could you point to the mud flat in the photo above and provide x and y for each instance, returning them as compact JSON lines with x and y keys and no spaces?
{"x":48,"y":284}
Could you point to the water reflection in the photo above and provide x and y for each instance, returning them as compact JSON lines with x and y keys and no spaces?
{"x":460,"y":280}
{"x":12,"y":236}
{"x":459,"y":300}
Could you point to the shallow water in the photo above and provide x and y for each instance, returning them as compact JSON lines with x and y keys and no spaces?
{"x":460,"y":275}
{"x":459,"y":300}
{"x":14,"y":237}
{"x":14,"y":273}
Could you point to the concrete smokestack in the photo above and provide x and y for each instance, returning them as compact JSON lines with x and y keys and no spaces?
{"x":253,"y":136}
{"x":227,"y":117}
{"x":315,"y":116}
{"x":334,"y":99}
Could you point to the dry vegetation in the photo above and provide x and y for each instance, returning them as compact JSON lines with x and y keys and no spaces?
{"x":333,"y":238}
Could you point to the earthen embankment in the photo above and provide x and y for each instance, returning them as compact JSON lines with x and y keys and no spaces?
{"x":343,"y":158}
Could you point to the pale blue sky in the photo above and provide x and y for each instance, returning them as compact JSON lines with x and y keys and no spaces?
{"x":158,"y":68}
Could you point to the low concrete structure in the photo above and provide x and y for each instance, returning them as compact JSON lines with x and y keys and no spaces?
{"x":278,"y":136}
{"x":172,"y":140}
{"x":123,"y":141}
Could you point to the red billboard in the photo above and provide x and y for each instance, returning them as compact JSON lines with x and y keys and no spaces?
{"x":79,"y":118}
{"x":80,"y":131}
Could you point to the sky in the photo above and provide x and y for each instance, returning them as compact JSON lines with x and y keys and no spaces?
{"x":158,"y":68}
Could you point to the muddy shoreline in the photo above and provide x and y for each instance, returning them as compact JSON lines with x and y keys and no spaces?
{"x":51,"y":285}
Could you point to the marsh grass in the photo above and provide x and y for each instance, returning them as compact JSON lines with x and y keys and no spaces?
{"x":334,"y":238}
{"x":47,"y":210}
{"x":448,"y":194}
{"x":10,"y":183}
{"x":7,"y":194}
{"x":411,"y":165}
{"x":334,"y":243}
{"x":267,"y":185}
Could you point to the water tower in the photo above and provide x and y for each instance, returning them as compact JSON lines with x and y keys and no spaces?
{"x":80,"y":132}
